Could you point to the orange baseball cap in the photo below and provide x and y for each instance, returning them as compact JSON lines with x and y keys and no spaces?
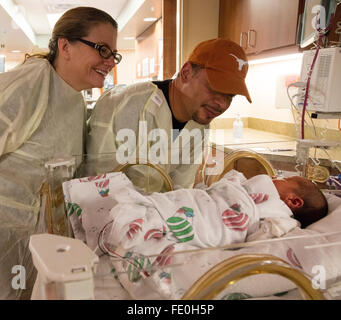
{"x":225,"y":63}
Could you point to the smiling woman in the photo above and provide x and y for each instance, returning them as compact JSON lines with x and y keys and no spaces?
{"x":73,"y":61}
{"x":42,"y":117}
{"x":81,"y":65}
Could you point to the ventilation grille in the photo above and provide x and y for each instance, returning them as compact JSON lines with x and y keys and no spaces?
{"x":324,"y":66}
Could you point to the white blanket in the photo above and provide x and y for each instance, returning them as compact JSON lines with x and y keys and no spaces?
{"x":112,"y":217}
{"x":223,"y":214}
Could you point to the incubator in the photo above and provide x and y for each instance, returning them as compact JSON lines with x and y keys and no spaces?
{"x":301,"y":264}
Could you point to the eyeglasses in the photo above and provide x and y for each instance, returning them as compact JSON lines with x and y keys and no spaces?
{"x":103,"y":50}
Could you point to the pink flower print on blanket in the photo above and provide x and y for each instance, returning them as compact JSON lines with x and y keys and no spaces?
{"x":293,"y":259}
{"x":156,"y":234}
{"x":188,"y":212}
{"x":103,"y":187}
{"x":134,"y":227}
{"x":234,"y":219}
{"x":259,"y":197}
{"x":165,"y":257}
{"x":92,"y":178}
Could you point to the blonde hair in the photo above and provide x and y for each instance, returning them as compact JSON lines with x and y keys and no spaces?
{"x":74,"y":23}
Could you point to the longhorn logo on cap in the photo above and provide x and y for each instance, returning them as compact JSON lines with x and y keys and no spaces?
{"x":241,"y":62}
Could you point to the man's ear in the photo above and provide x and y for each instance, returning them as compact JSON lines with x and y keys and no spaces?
{"x":186,"y":72}
{"x":64,"y":48}
{"x":293,"y":201}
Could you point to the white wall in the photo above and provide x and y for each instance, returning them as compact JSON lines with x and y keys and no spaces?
{"x":43,"y":41}
{"x":198,"y":22}
{"x":265,"y":82}
{"x":12,"y":63}
{"x":126,"y":70}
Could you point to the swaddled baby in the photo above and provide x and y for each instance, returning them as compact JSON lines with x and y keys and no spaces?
{"x":230,"y":211}
{"x":112,"y":217}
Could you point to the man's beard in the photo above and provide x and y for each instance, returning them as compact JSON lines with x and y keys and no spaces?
{"x":196,"y":118}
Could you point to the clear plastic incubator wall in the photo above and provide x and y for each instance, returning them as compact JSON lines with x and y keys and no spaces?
{"x":77,"y":257}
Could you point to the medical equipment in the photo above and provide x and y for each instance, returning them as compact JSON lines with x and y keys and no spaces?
{"x":317,"y":14}
{"x":324,"y":93}
{"x":66,"y":272}
{"x":74,"y":280}
{"x":135,"y":272}
{"x":317,"y":92}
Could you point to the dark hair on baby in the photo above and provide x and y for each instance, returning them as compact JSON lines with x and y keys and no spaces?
{"x":315,"y":205}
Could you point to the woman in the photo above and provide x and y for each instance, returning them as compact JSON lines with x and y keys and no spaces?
{"x":42,"y":117}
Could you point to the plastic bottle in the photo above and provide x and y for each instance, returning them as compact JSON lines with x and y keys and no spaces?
{"x":237,"y":128}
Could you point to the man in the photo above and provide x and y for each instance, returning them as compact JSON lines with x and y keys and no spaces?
{"x":181,"y":110}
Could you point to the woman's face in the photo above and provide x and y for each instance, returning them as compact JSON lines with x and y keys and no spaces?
{"x":88,"y":68}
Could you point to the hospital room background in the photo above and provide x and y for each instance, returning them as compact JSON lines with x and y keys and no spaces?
{"x":155,"y":38}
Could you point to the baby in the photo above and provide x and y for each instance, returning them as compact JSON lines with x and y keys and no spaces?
{"x":303,"y":197}
{"x":231,"y":210}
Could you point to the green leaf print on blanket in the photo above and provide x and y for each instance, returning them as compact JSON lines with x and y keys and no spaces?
{"x":137,"y":265}
{"x":73,"y":208}
{"x":181,"y":228}
{"x":165,"y":277}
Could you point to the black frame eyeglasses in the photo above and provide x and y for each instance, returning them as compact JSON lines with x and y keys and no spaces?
{"x":103,"y":50}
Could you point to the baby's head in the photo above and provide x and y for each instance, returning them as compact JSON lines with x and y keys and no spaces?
{"x":303,"y":197}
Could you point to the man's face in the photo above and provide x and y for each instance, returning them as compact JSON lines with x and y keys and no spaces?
{"x":203,"y":103}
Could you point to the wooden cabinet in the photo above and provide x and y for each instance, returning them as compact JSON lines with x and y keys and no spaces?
{"x":259,"y":25}
{"x":234,"y":17}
